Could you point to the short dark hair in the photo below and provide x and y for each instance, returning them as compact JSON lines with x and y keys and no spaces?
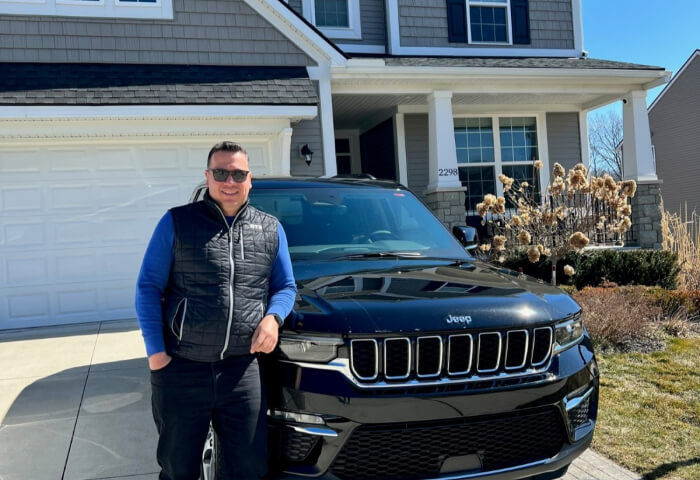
{"x":225,"y":146}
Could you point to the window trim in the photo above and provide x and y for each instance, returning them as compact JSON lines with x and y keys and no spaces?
{"x":352,"y":32}
{"x":488,"y":3}
{"x":158,"y":10}
{"x":498,"y":163}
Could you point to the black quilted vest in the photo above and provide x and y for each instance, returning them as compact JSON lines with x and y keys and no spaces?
{"x":218,"y":286}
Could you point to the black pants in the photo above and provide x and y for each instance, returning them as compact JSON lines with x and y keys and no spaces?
{"x":186,"y":395}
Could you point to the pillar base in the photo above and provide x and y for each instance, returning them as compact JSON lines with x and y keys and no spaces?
{"x":646,"y":215}
{"x":447,"y":205}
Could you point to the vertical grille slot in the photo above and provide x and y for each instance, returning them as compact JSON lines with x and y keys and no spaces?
{"x":459,"y":354}
{"x":516,"y":349}
{"x":489,"y":352}
{"x":397,"y":358}
{"x":541,"y":346}
{"x":364,"y":359}
{"x":429,"y":356}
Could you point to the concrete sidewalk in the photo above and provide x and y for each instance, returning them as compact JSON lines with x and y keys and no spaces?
{"x":75,"y":405}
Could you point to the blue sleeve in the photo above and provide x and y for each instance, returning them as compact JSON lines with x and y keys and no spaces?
{"x":151,"y":283}
{"x":283,"y":288}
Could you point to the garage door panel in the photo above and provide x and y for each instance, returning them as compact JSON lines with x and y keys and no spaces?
{"x":71,"y":268}
{"x":26,"y":269}
{"x":22,"y":308}
{"x":75,"y":221}
{"x":19,"y":234}
{"x":16,"y":200}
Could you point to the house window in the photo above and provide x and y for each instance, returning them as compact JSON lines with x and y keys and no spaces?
{"x":332,"y":13}
{"x":489,"y":21}
{"x":489,"y":146}
{"x":147,"y":9}
{"x":335,"y":18}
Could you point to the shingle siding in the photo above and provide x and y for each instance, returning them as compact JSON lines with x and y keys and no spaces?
{"x":416,"y":133}
{"x":564,"y":139}
{"x":423,"y":23}
{"x":675,"y":122}
{"x":373,"y":23}
{"x":212,"y":32}
{"x":307,"y":132}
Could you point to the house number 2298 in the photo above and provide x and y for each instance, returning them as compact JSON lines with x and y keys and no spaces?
{"x":446,"y":172}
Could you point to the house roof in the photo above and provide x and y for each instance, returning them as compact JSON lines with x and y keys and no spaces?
{"x":132,"y":84}
{"x":668,"y":86}
{"x":519,"y":62}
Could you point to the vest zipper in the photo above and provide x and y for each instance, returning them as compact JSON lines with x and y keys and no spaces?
{"x":240,"y":240}
{"x":172,"y":320}
{"x":182,"y":322}
{"x":230,"y":282}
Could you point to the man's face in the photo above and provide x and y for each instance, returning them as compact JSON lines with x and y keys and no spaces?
{"x":229,"y":194}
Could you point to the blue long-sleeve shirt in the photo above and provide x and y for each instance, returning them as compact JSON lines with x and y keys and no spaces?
{"x":155,"y":272}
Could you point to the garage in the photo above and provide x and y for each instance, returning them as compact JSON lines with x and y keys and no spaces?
{"x":77,"y":215}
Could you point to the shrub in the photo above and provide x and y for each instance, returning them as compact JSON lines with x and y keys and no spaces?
{"x":678,"y":303}
{"x":592,"y":268}
{"x":621,"y":318}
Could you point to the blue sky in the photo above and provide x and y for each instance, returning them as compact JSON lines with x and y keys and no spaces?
{"x":651,"y":32}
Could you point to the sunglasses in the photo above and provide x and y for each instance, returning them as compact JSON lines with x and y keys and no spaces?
{"x":221,"y":175}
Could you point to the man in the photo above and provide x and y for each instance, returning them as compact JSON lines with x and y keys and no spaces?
{"x":215,"y":285}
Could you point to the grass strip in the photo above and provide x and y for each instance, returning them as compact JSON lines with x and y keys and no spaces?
{"x":649,"y":411}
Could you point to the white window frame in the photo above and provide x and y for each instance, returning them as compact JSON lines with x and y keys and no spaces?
{"x":498,"y":163}
{"x":160,"y":9}
{"x":352,"y":32}
{"x":353,"y":136}
{"x":487,"y":3}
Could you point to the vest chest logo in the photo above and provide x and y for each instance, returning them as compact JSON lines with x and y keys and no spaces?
{"x":255,"y":226}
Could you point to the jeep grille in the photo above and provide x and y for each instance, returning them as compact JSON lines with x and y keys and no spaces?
{"x":480,"y":354}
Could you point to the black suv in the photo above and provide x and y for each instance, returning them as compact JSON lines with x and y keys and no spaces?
{"x":407,"y":358}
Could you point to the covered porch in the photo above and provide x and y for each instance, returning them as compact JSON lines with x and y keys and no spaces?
{"x":447,"y":127}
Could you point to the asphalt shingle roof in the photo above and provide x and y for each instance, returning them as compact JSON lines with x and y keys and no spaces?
{"x":519,"y":62}
{"x":130,"y":84}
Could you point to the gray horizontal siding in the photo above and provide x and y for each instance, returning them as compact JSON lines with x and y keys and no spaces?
{"x":564,"y":139}
{"x":307,"y":132}
{"x":212,"y":32}
{"x":296,"y":6}
{"x":416,"y":133}
{"x":373,"y":22}
{"x":675,"y":122}
{"x":423,"y":23}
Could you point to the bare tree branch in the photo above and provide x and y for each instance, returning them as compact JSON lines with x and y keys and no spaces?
{"x":605,"y":137}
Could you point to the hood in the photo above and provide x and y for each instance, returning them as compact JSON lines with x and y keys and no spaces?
{"x":362,"y":297}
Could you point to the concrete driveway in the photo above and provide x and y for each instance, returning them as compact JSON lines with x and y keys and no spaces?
{"x":75,"y":405}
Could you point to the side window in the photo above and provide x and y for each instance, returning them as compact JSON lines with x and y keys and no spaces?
{"x":335,"y":18}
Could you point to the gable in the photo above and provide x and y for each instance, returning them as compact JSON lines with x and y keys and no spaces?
{"x":215,"y":32}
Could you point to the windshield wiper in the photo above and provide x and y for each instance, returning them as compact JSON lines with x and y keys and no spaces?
{"x":380,"y":255}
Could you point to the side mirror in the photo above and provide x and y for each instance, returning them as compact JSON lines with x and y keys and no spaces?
{"x":467,"y":236}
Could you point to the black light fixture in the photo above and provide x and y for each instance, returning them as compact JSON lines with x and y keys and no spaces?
{"x":306,"y":153}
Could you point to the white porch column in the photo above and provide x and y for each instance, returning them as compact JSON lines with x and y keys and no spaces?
{"x":442,"y":157}
{"x":637,"y":159}
{"x":285,"y":144}
{"x":325,"y":102}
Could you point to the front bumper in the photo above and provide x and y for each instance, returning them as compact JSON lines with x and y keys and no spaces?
{"x":567,"y":397}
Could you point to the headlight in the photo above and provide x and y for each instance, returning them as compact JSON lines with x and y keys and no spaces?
{"x":302,"y":348}
{"x":567,"y":334}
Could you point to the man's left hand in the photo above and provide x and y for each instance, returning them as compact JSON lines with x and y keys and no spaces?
{"x":265,"y":336}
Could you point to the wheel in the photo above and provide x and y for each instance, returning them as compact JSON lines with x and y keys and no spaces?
{"x":209,"y":466}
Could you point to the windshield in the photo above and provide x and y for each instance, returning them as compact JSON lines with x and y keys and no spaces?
{"x":350,"y":222}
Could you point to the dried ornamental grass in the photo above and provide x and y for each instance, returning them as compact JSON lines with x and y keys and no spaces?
{"x":682,"y":236}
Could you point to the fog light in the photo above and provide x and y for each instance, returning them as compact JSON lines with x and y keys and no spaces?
{"x":287,"y":416}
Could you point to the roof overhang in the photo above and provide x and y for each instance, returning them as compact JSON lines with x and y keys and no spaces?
{"x":585,"y":88}
{"x":299,"y":31}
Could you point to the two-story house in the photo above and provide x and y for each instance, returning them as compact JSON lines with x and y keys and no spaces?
{"x":108,"y":107}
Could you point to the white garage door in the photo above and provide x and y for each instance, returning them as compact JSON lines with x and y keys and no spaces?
{"x":75,"y":219}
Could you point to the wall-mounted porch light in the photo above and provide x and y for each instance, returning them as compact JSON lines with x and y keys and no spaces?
{"x":306,"y":153}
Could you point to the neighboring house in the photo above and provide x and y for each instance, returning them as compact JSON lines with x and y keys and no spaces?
{"x":674,"y":119}
{"x":108,"y":108}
